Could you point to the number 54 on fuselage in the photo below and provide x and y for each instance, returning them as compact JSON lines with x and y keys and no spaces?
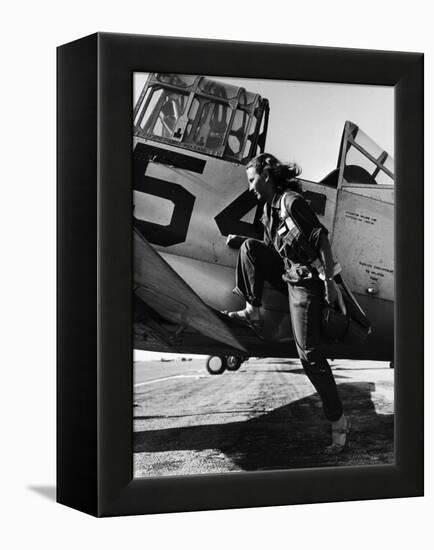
{"x":193,"y":137}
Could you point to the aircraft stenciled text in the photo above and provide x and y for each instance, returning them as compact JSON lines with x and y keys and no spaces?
{"x":357,"y":216}
{"x":375,"y":271}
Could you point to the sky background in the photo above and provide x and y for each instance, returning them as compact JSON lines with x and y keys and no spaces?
{"x":306,"y":123}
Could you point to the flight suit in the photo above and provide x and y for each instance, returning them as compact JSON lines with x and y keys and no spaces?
{"x":292,"y":235}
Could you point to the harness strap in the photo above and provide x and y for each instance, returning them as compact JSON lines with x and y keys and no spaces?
{"x":295,"y":233}
{"x":290,"y":230}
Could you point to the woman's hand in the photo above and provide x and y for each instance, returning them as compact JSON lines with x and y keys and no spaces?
{"x":331,"y":293}
{"x":235,"y":241}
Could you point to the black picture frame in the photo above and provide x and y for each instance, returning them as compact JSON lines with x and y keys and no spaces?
{"x":95,"y":374}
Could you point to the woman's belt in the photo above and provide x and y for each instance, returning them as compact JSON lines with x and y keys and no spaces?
{"x":295,"y":272}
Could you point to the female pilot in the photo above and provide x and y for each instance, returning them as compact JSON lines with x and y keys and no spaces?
{"x":295,"y":245}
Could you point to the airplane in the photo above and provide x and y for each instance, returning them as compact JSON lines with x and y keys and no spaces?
{"x":192,"y":138}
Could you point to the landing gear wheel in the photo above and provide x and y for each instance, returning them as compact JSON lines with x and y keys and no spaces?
{"x":233,"y":362}
{"x":215,"y":364}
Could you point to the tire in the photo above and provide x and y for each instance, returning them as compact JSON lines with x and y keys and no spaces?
{"x":233,"y":362}
{"x":215,"y":364}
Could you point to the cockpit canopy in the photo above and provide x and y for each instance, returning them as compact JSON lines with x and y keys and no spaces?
{"x":204,"y":115}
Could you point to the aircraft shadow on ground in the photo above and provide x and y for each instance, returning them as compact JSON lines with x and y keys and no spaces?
{"x":291,"y":436}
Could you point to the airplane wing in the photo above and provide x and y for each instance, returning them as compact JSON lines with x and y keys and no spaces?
{"x":167,"y":295}
{"x":171,"y":317}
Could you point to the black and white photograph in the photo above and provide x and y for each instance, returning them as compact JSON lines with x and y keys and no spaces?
{"x":215,"y":316}
{"x":263,"y":278}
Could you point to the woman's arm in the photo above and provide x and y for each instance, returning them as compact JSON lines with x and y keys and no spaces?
{"x":326,"y":256}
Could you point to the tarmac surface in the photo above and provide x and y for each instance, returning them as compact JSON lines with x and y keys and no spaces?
{"x":265,"y":416}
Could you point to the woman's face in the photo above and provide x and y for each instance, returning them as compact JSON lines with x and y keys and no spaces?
{"x":257,"y":183}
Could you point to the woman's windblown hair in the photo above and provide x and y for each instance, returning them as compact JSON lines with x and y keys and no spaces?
{"x":284,"y":175}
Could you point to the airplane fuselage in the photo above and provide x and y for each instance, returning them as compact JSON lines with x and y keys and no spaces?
{"x":188,"y":199}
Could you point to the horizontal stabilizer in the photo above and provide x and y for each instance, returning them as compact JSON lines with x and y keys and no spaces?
{"x":162,"y":289}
